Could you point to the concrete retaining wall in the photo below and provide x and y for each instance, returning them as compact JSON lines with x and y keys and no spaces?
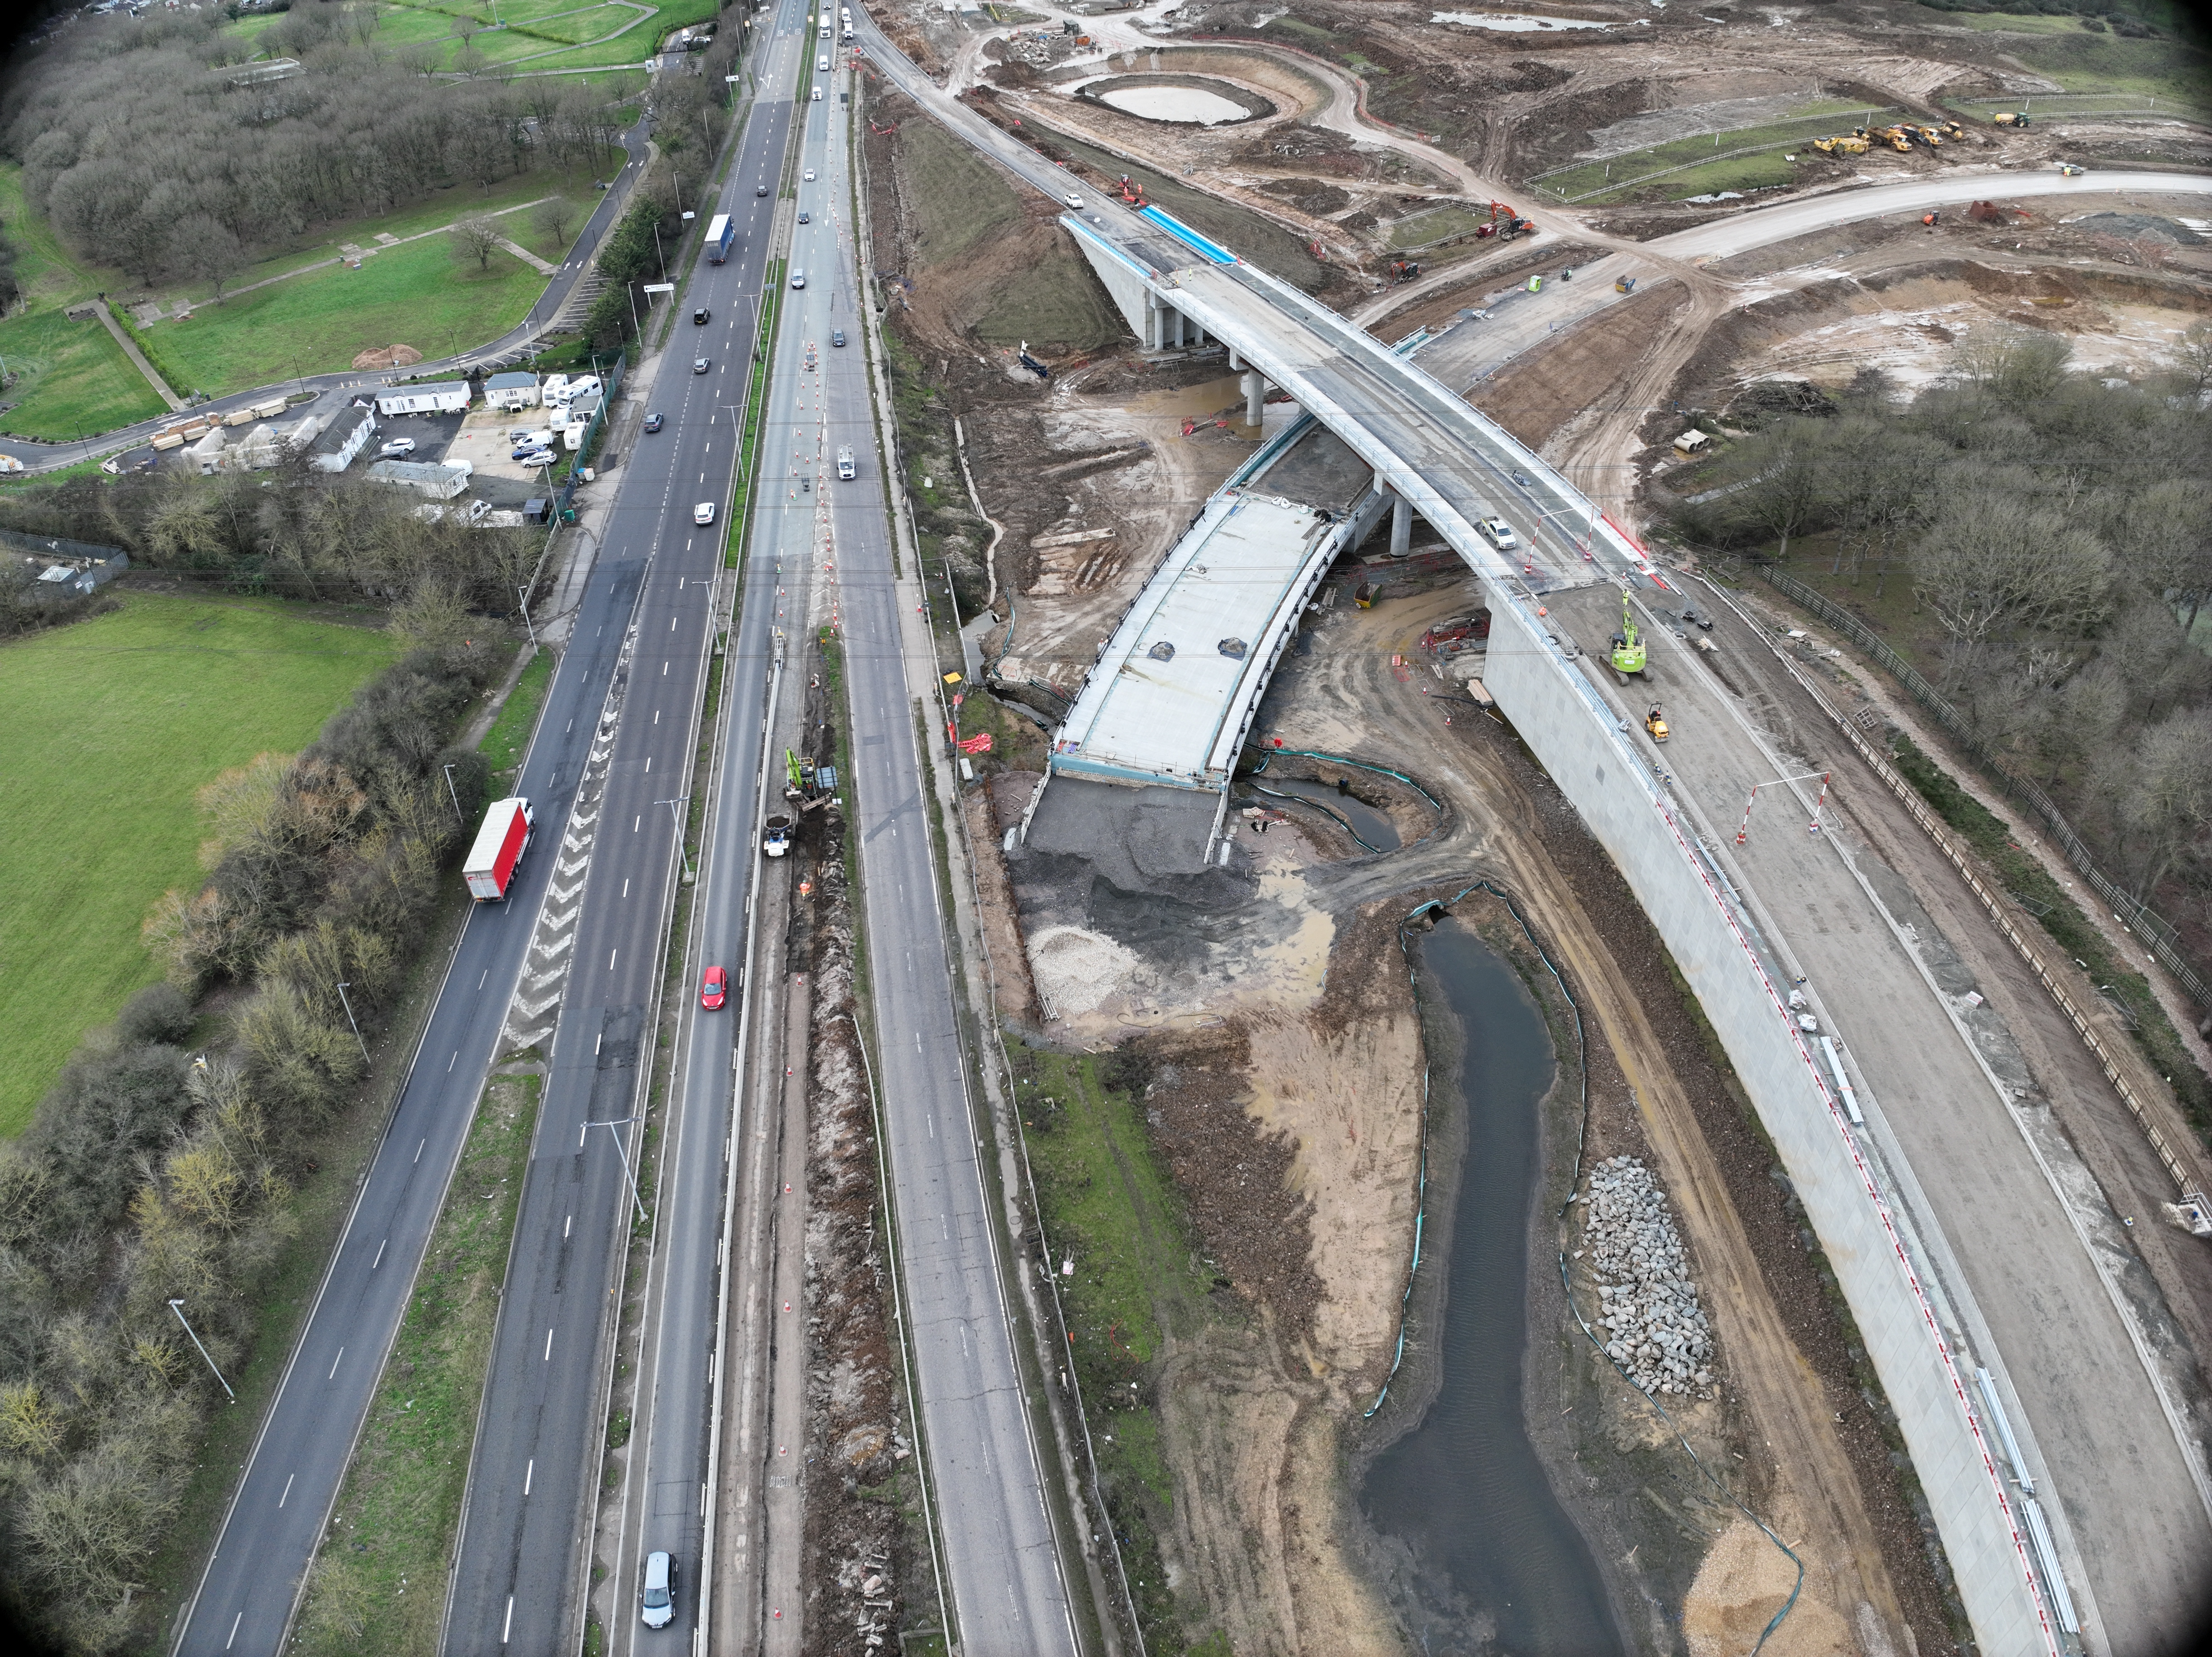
{"x":1578,"y":740}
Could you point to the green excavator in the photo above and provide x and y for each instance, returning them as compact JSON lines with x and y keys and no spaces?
{"x":1627,"y":646}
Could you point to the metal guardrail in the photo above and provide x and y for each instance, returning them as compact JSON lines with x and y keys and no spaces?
{"x":2146,"y":924}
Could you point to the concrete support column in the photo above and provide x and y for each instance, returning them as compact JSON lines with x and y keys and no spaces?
{"x":1236,"y":361}
{"x":1155,"y":322}
{"x":1402,"y":526}
{"x":1256,"y":396}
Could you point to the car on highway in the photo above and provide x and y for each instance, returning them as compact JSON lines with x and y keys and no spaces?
{"x":798,"y":278}
{"x":810,"y":170}
{"x":818,"y":95}
{"x":702,"y":316}
{"x":760,"y":190}
{"x":656,"y":1602}
{"x":700,"y":364}
{"x":397,"y":446}
{"x":1498,"y":533}
{"x":837,"y":336}
{"x":703,"y":513}
{"x":806,"y":218}
{"x":1074,"y":201}
{"x":653,"y":422}
{"x":714,"y":989}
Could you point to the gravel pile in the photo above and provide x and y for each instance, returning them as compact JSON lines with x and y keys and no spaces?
{"x":1648,"y":1306}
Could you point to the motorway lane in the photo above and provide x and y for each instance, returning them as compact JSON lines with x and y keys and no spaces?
{"x":661,"y":1509}
{"x":519,"y":1577}
{"x":247,"y":1594}
{"x":1008,"y":1596}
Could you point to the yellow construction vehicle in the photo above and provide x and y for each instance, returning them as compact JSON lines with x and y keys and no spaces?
{"x":1841,"y":144}
{"x":2019,"y":119}
{"x":1628,"y":647}
{"x":1655,"y":723}
{"x":1951,"y":129}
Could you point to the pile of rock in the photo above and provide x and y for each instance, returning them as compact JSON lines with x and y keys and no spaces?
{"x":1648,"y":1306}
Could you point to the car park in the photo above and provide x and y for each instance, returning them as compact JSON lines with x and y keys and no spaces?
{"x":399,"y":445}
{"x":700,"y":316}
{"x":653,"y":422}
{"x":700,"y":364}
{"x":536,"y":458}
{"x":704,"y":514}
{"x":1498,"y":533}
{"x":837,"y":336}
{"x":715,"y":990}
{"x":657,"y":1599}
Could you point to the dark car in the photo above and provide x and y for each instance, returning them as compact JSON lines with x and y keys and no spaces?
{"x":653,"y":422}
{"x":807,"y":218}
{"x":837,"y":336}
{"x":715,"y":990}
{"x":760,"y":190}
{"x":700,"y":315}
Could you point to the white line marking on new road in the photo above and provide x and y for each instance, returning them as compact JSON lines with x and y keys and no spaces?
{"x":378,"y":1260}
{"x":508,"y":1626}
{"x":289,"y":1478}
{"x":418,"y":1149}
{"x":528,"y":1473}
{"x":566,"y":1224}
{"x":335,"y":1362}
{"x":234,"y":1622}
{"x":548,"y":1346}
{"x":454,"y":1060}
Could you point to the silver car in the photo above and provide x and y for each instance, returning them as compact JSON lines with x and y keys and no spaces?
{"x":657,"y":1605}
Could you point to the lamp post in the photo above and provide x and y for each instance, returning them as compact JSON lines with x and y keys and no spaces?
{"x":522,"y":594}
{"x":177,"y":1307}
{"x":456,"y":793}
{"x":618,"y":1122}
{"x":681,"y":799}
{"x":347,"y":1005}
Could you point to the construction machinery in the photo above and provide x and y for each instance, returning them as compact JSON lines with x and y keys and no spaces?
{"x":2012,"y":118}
{"x":1401,"y":270}
{"x":1885,"y":135}
{"x":1842,"y":144}
{"x":1505,"y":223}
{"x":1626,"y":285}
{"x":1627,"y":646}
{"x":1655,"y":723}
{"x":1951,"y":129}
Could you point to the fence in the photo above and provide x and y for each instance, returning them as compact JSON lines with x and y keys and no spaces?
{"x":2156,"y":933}
{"x":596,"y":429}
{"x":1814,"y":126}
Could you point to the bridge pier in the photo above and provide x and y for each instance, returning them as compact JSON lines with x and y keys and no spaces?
{"x":1256,"y":393}
{"x":1402,"y":526}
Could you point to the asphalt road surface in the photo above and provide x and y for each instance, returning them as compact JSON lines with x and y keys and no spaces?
{"x":518,"y":1579}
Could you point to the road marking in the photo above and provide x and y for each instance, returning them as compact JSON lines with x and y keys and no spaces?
{"x":566,"y":1224}
{"x":548,"y":1346}
{"x":378,"y":1260}
{"x":528,"y":1473}
{"x":636,"y":822}
{"x":289,"y":1478}
{"x":656,"y":716}
{"x":486,"y":974}
{"x":671,"y":620}
{"x":335,"y":1362}
{"x":418,"y":1149}
{"x":506,"y":1626}
{"x":611,"y":954}
{"x":234,"y":1622}
{"x":664,"y":670}
{"x":454,"y":1060}
{"x":648,"y":762}
{"x":625,"y":888}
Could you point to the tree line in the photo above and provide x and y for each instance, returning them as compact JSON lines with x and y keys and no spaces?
{"x":2057,"y":531}
{"x":152,"y":1172}
{"x":204,"y":171}
{"x":289,"y":531}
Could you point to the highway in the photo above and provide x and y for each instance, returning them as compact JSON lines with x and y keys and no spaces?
{"x":520,"y":1574}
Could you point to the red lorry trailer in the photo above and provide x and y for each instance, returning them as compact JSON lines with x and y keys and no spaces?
{"x":500,"y":844}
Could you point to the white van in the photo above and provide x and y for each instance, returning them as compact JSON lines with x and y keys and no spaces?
{"x":821,"y":66}
{"x":817,"y":95}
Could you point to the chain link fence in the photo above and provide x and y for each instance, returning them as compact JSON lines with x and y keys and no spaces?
{"x":2155,"y":932}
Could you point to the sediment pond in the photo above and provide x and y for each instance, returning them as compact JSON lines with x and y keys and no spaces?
{"x":1371,"y":825}
{"x":1498,"y":1566}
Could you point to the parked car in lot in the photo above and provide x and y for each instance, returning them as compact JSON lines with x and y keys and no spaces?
{"x":653,"y":422}
{"x":397,"y":446}
{"x":700,"y":315}
{"x":536,"y":458}
{"x":703,"y":513}
{"x":1498,"y":533}
{"x":700,"y":365}
{"x":837,"y":336}
{"x":715,"y":990}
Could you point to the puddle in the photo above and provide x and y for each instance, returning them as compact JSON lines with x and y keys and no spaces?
{"x":1514,"y":23}
{"x":1186,"y":104}
{"x":1371,"y":826}
{"x":1202,"y":401}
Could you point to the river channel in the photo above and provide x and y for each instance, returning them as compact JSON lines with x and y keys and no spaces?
{"x":1497,"y":1564}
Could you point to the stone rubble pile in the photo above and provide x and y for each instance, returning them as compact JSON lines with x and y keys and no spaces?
{"x":1648,"y":1307}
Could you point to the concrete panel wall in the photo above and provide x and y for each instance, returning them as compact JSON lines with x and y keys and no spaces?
{"x":1579,"y":742}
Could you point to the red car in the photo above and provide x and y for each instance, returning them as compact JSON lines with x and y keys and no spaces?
{"x":715,"y":991}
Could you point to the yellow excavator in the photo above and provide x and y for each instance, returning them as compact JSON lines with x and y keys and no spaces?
{"x":1628,"y":647}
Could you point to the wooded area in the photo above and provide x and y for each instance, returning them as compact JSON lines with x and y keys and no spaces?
{"x":205,"y":170}
{"x":2057,"y":529}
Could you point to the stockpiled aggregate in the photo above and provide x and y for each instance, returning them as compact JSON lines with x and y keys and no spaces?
{"x":1648,"y":1306}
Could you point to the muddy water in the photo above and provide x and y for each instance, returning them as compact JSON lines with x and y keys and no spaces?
{"x":1192,"y":104}
{"x":1498,"y":1566}
{"x":1373,"y":827}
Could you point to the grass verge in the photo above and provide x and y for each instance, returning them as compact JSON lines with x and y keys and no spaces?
{"x":742,"y":492}
{"x":1106,"y":1208}
{"x":68,"y":379}
{"x":508,"y":739}
{"x":138,"y":708}
{"x":1632,"y":174}
{"x":384,"y":1565}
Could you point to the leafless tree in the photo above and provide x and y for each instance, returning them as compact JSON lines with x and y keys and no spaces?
{"x":552,"y":218}
{"x":2015,"y":366}
{"x":203,"y":245}
{"x":477,"y":239}
{"x":1996,"y":563}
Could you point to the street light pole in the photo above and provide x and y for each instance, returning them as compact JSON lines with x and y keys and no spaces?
{"x":456,"y":793}
{"x":619,"y":1122}
{"x":522,"y":594}
{"x":177,"y":1307}
{"x":347,"y":1005}
{"x":681,"y":799}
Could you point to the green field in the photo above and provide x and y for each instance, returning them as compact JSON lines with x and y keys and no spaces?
{"x":73,"y":379}
{"x":508,"y":739}
{"x":1619,"y":176}
{"x":317,"y":323}
{"x":549,"y":23}
{"x":134,"y":711}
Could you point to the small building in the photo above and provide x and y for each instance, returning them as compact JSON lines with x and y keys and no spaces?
{"x":335,"y":446}
{"x":74,"y":567}
{"x":207,"y":454}
{"x":511,"y":392}
{"x":439,"y":397}
{"x":1692,"y":442}
{"x":440,"y":483}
